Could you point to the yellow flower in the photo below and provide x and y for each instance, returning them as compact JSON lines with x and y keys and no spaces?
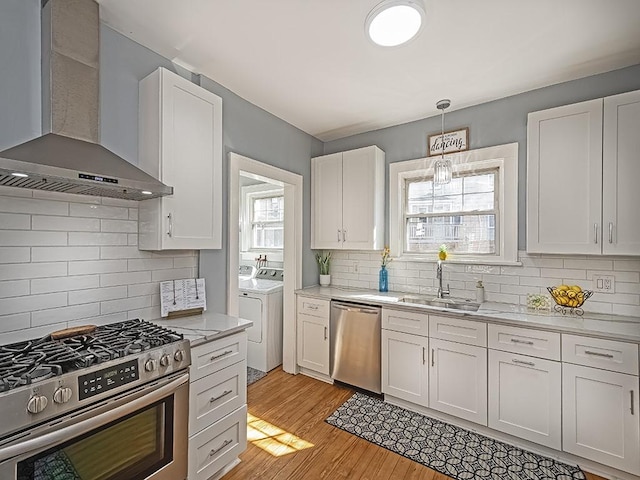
{"x":386,"y":256}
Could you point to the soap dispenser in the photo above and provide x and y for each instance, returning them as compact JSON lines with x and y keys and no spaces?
{"x":479,"y":292}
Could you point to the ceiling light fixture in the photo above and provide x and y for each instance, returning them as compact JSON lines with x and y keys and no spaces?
{"x":394,"y":22}
{"x":442,"y":169}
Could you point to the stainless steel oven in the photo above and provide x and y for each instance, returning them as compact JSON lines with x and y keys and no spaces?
{"x":111,"y":403}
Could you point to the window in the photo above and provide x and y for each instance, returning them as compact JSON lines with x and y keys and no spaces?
{"x":475,"y":215}
{"x":262,"y":222}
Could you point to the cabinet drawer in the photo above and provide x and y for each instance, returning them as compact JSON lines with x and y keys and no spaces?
{"x":458,"y":330}
{"x":313,"y":307}
{"x":213,"y":356}
{"x":217,"y":395}
{"x":216,"y":446}
{"x":595,"y":352}
{"x":407,"y":322}
{"x":535,"y":343}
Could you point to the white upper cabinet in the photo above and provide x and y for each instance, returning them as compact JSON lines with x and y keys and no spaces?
{"x":581,"y":173}
{"x":621,"y":172}
{"x":347,"y":200}
{"x":180,"y":128}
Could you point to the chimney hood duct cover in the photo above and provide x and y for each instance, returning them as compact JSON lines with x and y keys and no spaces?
{"x":68,"y":157}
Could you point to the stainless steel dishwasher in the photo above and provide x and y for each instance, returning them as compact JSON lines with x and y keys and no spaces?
{"x":355,"y":345}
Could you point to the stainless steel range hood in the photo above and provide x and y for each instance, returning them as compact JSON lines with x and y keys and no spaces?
{"x":68,"y":157}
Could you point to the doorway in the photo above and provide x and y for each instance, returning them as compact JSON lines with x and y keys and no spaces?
{"x":291,"y":183}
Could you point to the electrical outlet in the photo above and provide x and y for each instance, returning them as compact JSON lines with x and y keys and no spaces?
{"x":604,"y":283}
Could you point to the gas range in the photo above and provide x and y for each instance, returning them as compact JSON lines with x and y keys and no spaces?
{"x":44,"y":378}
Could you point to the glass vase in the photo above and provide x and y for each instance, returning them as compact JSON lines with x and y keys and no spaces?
{"x":383,"y":279}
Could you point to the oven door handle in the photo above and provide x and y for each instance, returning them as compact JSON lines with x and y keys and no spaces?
{"x":66,"y":433}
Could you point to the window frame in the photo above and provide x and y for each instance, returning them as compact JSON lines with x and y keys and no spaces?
{"x":504,"y":158}
{"x":249,"y":194}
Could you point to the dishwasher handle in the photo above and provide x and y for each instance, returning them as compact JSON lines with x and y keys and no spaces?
{"x":355,"y":309}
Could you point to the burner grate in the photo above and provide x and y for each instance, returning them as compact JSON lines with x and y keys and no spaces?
{"x":24,"y":363}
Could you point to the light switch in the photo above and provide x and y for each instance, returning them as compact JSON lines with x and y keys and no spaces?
{"x":604,"y":283}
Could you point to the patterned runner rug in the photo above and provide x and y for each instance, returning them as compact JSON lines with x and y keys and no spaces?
{"x":450,"y":450}
{"x":253,"y":375}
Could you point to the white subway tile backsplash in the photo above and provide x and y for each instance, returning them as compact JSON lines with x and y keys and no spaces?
{"x":92,"y":238}
{"x":149,"y":264}
{"x":589,"y":264}
{"x":32,"y":205}
{"x":564,"y":273}
{"x":16,"y":321}
{"x":133,"y":214}
{"x":15,"y":254}
{"x":15,"y":192}
{"x":97,"y":295}
{"x":64,"y":314}
{"x":65,"y":197}
{"x":53,"y":254}
{"x":181,"y":262}
{"x":98,"y":211}
{"x":119,"y":226}
{"x":132,"y":239}
{"x":14,"y":288}
{"x":145,"y":313}
{"x":17,"y":238}
{"x":15,"y":221}
{"x":20,"y":271}
{"x":97,"y":266}
{"x":119,"y":202}
{"x":114,"y":279}
{"x":30,"y":333}
{"x":630,"y":310}
{"x":110,"y":253}
{"x":65,"y":224}
{"x":626,"y":265}
{"x":173,"y":274}
{"x":124,"y":305}
{"x":64,"y":284}
{"x":140,"y":289}
{"x":32,"y":302}
{"x":103,"y":319}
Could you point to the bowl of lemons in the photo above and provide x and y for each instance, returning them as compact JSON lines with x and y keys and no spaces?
{"x":569,"y":298}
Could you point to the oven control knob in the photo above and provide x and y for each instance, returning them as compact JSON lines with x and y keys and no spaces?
{"x":178,"y":356}
{"x":150,"y":365}
{"x":164,"y":360}
{"x":62,"y":395}
{"x":37,"y":404}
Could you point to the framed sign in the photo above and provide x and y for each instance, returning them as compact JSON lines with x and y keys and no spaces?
{"x":454,"y":141}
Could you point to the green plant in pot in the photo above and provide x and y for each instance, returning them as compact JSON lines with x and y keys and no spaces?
{"x":324,"y":263}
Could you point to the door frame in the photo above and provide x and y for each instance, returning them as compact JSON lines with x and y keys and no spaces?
{"x":292,"y":255}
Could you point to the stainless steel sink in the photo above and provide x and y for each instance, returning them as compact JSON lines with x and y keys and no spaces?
{"x":453,"y":303}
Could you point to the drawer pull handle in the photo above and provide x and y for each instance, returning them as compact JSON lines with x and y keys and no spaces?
{"x":610,"y":232}
{"x":632,"y":402}
{"x":595,"y":233}
{"x":325,"y":333}
{"x":216,"y":450}
{"x":224,"y":354}
{"x":424,"y":354}
{"x":523,"y":342}
{"x":433,"y":357}
{"x":338,"y":235}
{"x":521,"y":362}
{"x":170,"y":231}
{"x":598,"y":354}
{"x":224,"y":394}
{"x":311,"y":307}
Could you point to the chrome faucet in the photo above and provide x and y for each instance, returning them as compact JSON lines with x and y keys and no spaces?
{"x":441,"y":292}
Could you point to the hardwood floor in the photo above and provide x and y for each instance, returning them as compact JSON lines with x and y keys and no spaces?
{"x":290,"y":412}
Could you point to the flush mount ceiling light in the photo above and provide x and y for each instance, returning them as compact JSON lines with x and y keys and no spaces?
{"x":394,"y":22}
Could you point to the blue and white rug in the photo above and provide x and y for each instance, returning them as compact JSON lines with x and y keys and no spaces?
{"x":253,"y":375}
{"x":450,"y":450}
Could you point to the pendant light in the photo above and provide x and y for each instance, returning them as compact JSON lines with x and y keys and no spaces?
{"x":442,"y":169}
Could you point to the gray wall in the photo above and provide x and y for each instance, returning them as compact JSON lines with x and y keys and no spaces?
{"x":493,"y":123}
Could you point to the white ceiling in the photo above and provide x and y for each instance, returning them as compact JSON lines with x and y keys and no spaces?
{"x":309,"y":62}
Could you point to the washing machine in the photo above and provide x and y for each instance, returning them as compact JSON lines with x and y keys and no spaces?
{"x":261,"y":302}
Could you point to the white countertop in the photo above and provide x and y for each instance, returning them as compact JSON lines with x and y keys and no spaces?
{"x":613,"y":327}
{"x":199,"y":329}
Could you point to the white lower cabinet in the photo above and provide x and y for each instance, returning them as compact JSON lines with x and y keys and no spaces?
{"x":600,"y":416}
{"x":458,"y":380}
{"x":525,"y":397}
{"x":404,"y":366}
{"x":312,"y":321}
{"x":217,"y":405}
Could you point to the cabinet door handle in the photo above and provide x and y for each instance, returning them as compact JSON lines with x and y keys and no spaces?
{"x":523,"y":342}
{"x":521,"y":362}
{"x":610,"y":232}
{"x":325,"y":333}
{"x":224,"y":354}
{"x":344,"y":235}
{"x":338,"y":234}
{"x":595,"y":233}
{"x":223,"y":394}
{"x":433,"y":357}
{"x":424,"y":354}
{"x":632,"y":402}
{"x":216,"y":450}
{"x":170,"y":232}
{"x":598,"y":354}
